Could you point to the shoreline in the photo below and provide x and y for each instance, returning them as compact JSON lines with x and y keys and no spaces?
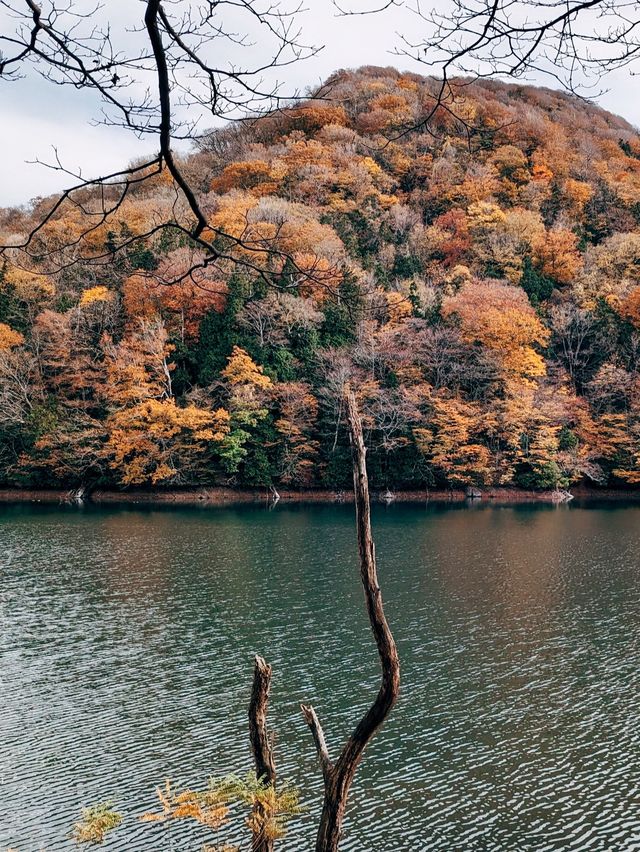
{"x":221,"y":496}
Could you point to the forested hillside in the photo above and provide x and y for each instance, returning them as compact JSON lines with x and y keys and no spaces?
{"x":477,"y":281}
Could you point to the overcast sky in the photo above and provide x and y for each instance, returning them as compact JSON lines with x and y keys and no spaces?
{"x":36,"y":115}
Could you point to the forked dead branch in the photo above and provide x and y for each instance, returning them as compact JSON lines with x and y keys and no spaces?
{"x":337,"y":775}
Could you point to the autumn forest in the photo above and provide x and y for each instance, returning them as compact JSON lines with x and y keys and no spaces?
{"x":475,"y":280}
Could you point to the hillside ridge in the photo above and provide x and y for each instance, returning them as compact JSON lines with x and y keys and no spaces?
{"x":476,"y":280}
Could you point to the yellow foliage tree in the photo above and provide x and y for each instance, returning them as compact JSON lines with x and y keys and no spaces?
{"x":241,"y":369}
{"x":9,"y":337}
{"x":398,"y":306}
{"x":577,"y":193}
{"x":156,"y":442}
{"x":484,"y":216}
{"x":557,"y":255}
{"x":253,"y":175}
{"x":451,"y":444}
{"x":138,"y":367}
{"x":29,"y":286}
{"x":96,"y":294}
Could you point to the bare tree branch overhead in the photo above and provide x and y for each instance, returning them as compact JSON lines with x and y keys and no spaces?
{"x":181,"y":68}
{"x":574,"y":44}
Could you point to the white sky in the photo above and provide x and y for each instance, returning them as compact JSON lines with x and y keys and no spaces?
{"x":36,"y":115}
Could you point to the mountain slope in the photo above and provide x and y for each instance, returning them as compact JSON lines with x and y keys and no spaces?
{"x":477,"y":280}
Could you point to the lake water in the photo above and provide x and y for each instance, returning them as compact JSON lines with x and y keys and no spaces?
{"x":126,"y":648}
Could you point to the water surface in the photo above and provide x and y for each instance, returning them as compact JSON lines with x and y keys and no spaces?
{"x":126,"y":642}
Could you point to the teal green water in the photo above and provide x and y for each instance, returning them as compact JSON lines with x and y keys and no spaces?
{"x":126,"y":646}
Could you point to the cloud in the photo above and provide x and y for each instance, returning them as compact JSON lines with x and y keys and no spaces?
{"x":28,"y":136}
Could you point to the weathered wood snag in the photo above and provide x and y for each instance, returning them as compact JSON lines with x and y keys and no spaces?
{"x":338,"y":776}
{"x":261,"y":743}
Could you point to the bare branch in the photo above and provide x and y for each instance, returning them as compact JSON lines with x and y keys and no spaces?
{"x":151,"y":88}
{"x":348,"y":13}
{"x":573,"y":42}
{"x":318,"y":737}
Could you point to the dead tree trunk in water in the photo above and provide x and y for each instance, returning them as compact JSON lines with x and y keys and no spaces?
{"x":261,"y":744}
{"x":338,"y":776}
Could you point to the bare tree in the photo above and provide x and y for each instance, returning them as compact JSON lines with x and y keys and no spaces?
{"x":274,"y":318}
{"x":580,"y":345}
{"x":338,"y":776}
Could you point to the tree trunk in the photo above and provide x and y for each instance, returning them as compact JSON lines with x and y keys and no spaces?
{"x":261,"y":745}
{"x":338,"y":776}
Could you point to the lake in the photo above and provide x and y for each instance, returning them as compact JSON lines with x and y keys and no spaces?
{"x":127,"y":638}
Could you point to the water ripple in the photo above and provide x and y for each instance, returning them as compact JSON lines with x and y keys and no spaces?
{"x":126,"y":643}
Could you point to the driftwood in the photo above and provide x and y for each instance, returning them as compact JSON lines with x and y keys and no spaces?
{"x":339,"y":775}
{"x":261,"y":743}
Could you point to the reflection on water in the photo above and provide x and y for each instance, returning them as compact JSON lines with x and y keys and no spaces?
{"x":127,"y":638}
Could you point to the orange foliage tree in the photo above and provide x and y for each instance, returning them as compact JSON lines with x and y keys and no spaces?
{"x":558,"y":256}
{"x":452,"y":444}
{"x":499,"y":317}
